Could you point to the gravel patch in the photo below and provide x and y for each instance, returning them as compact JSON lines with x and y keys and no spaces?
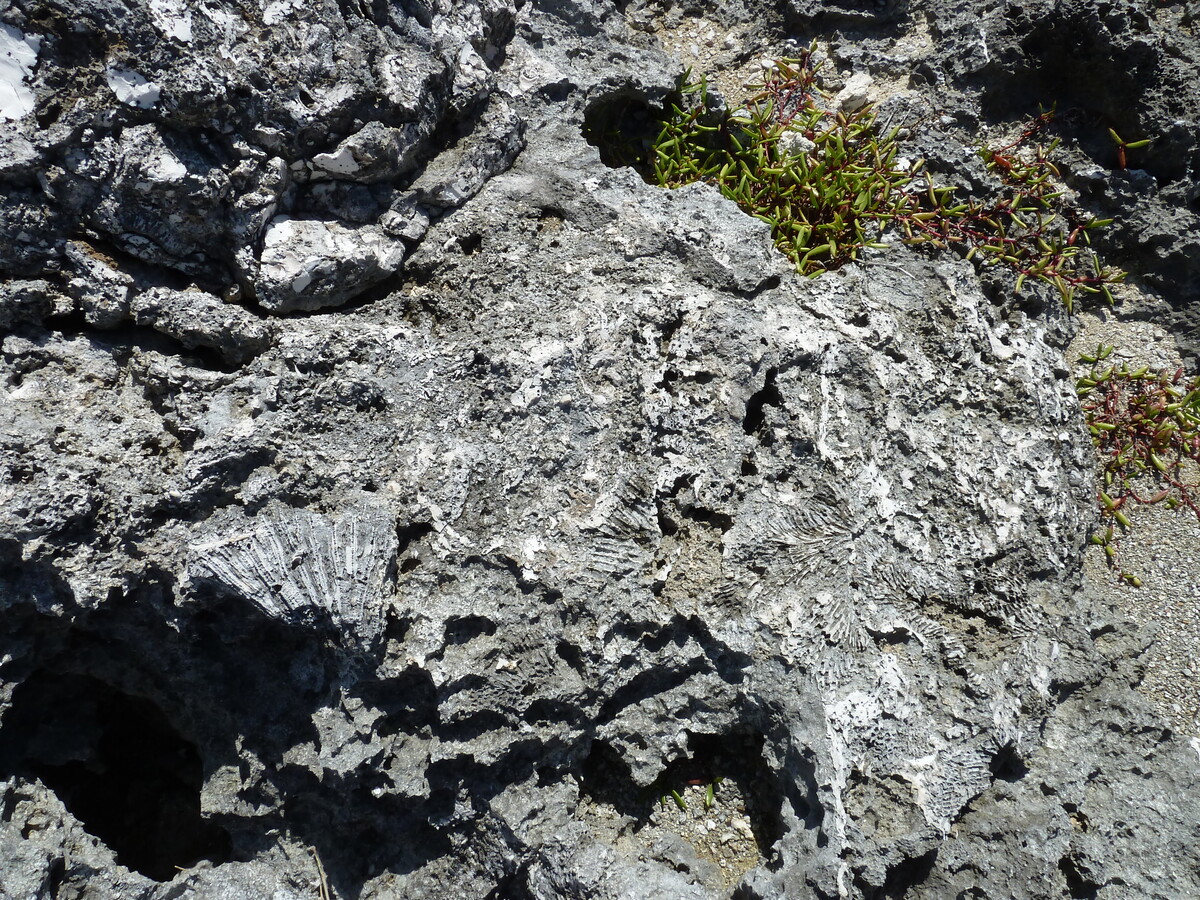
{"x":1162,"y":549}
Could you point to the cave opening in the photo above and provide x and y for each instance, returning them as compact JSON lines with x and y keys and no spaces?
{"x":118,"y":766}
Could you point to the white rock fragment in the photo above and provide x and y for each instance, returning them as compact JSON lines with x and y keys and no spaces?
{"x":311,"y":264}
{"x":18,"y":56}
{"x":278,"y":10}
{"x":375,"y":152}
{"x":793,"y":143}
{"x":132,"y":88}
{"x":173,"y":19}
{"x":340,"y":162}
{"x":854,"y":95}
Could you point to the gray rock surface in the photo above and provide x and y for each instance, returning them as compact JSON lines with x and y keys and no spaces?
{"x":396,"y":498}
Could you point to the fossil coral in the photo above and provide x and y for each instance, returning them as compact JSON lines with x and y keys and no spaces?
{"x":300,"y":567}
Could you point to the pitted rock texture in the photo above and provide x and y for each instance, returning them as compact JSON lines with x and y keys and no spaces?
{"x":394,"y":496}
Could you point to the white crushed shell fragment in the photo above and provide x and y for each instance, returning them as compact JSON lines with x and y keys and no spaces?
{"x":854,"y":95}
{"x":173,"y":19}
{"x":278,"y":10}
{"x":132,"y":88}
{"x":794,"y":143}
{"x":18,"y":56}
{"x":340,"y":162}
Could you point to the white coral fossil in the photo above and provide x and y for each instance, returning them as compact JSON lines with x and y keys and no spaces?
{"x":302,"y":568}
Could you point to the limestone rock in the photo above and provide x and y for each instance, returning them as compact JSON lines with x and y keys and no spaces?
{"x":394,"y":493}
{"x":308,"y":264}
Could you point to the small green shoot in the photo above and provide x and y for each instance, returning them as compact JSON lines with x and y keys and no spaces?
{"x":710,"y":793}
{"x":1123,"y":146}
{"x":676,"y":795}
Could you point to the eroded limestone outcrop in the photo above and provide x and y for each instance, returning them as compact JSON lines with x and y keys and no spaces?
{"x":390,"y":489}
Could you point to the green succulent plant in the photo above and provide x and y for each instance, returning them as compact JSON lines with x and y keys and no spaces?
{"x":1146,"y":429}
{"x":824,"y":181}
{"x":830,"y":183}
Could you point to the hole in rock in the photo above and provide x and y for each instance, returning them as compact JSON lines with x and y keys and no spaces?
{"x":768,"y":395}
{"x":1007,"y":764}
{"x":745,"y":801}
{"x":908,"y":874}
{"x":623,"y":127}
{"x":408,"y":535}
{"x":414,"y":531}
{"x":1078,"y":885}
{"x":463,"y":629}
{"x":118,"y":766}
{"x":606,"y":778}
{"x":571,"y":654}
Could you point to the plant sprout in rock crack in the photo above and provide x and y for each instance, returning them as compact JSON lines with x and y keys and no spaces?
{"x":831,"y":184}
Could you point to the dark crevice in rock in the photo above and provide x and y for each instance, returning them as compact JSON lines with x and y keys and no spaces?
{"x":513,"y":568}
{"x":622,"y":127}
{"x":397,"y":627}
{"x":118,"y":765}
{"x":467,"y":728}
{"x":358,"y":836}
{"x":604,"y":776}
{"x":729,"y":761}
{"x":514,"y":886}
{"x":672,"y":376}
{"x":28,"y":583}
{"x":770,"y":283}
{"x":668,"y":330}
{"x":644,"y":685}
{"x":571,"y":654}
{"x":121,"y":340}
{"x":1007,"y":765}
{"x":903,"y":877}
{"x":463,"y":629}
{"x":55,"y":878}
{"x":1063,"y":690}
{"x":718,"y":520}
{"x":801,"y":789}
{"x":549,"y":711}
{"x":767,"y":395}
{"x":470,"y":244}
{"x":407,"y":700}
{"x":146,"y":274}
{"x":1079,"y":886}
{"x":737,"y":756}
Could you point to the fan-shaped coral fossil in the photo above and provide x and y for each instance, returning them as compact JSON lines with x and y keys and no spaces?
{"x":302,"y":568}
